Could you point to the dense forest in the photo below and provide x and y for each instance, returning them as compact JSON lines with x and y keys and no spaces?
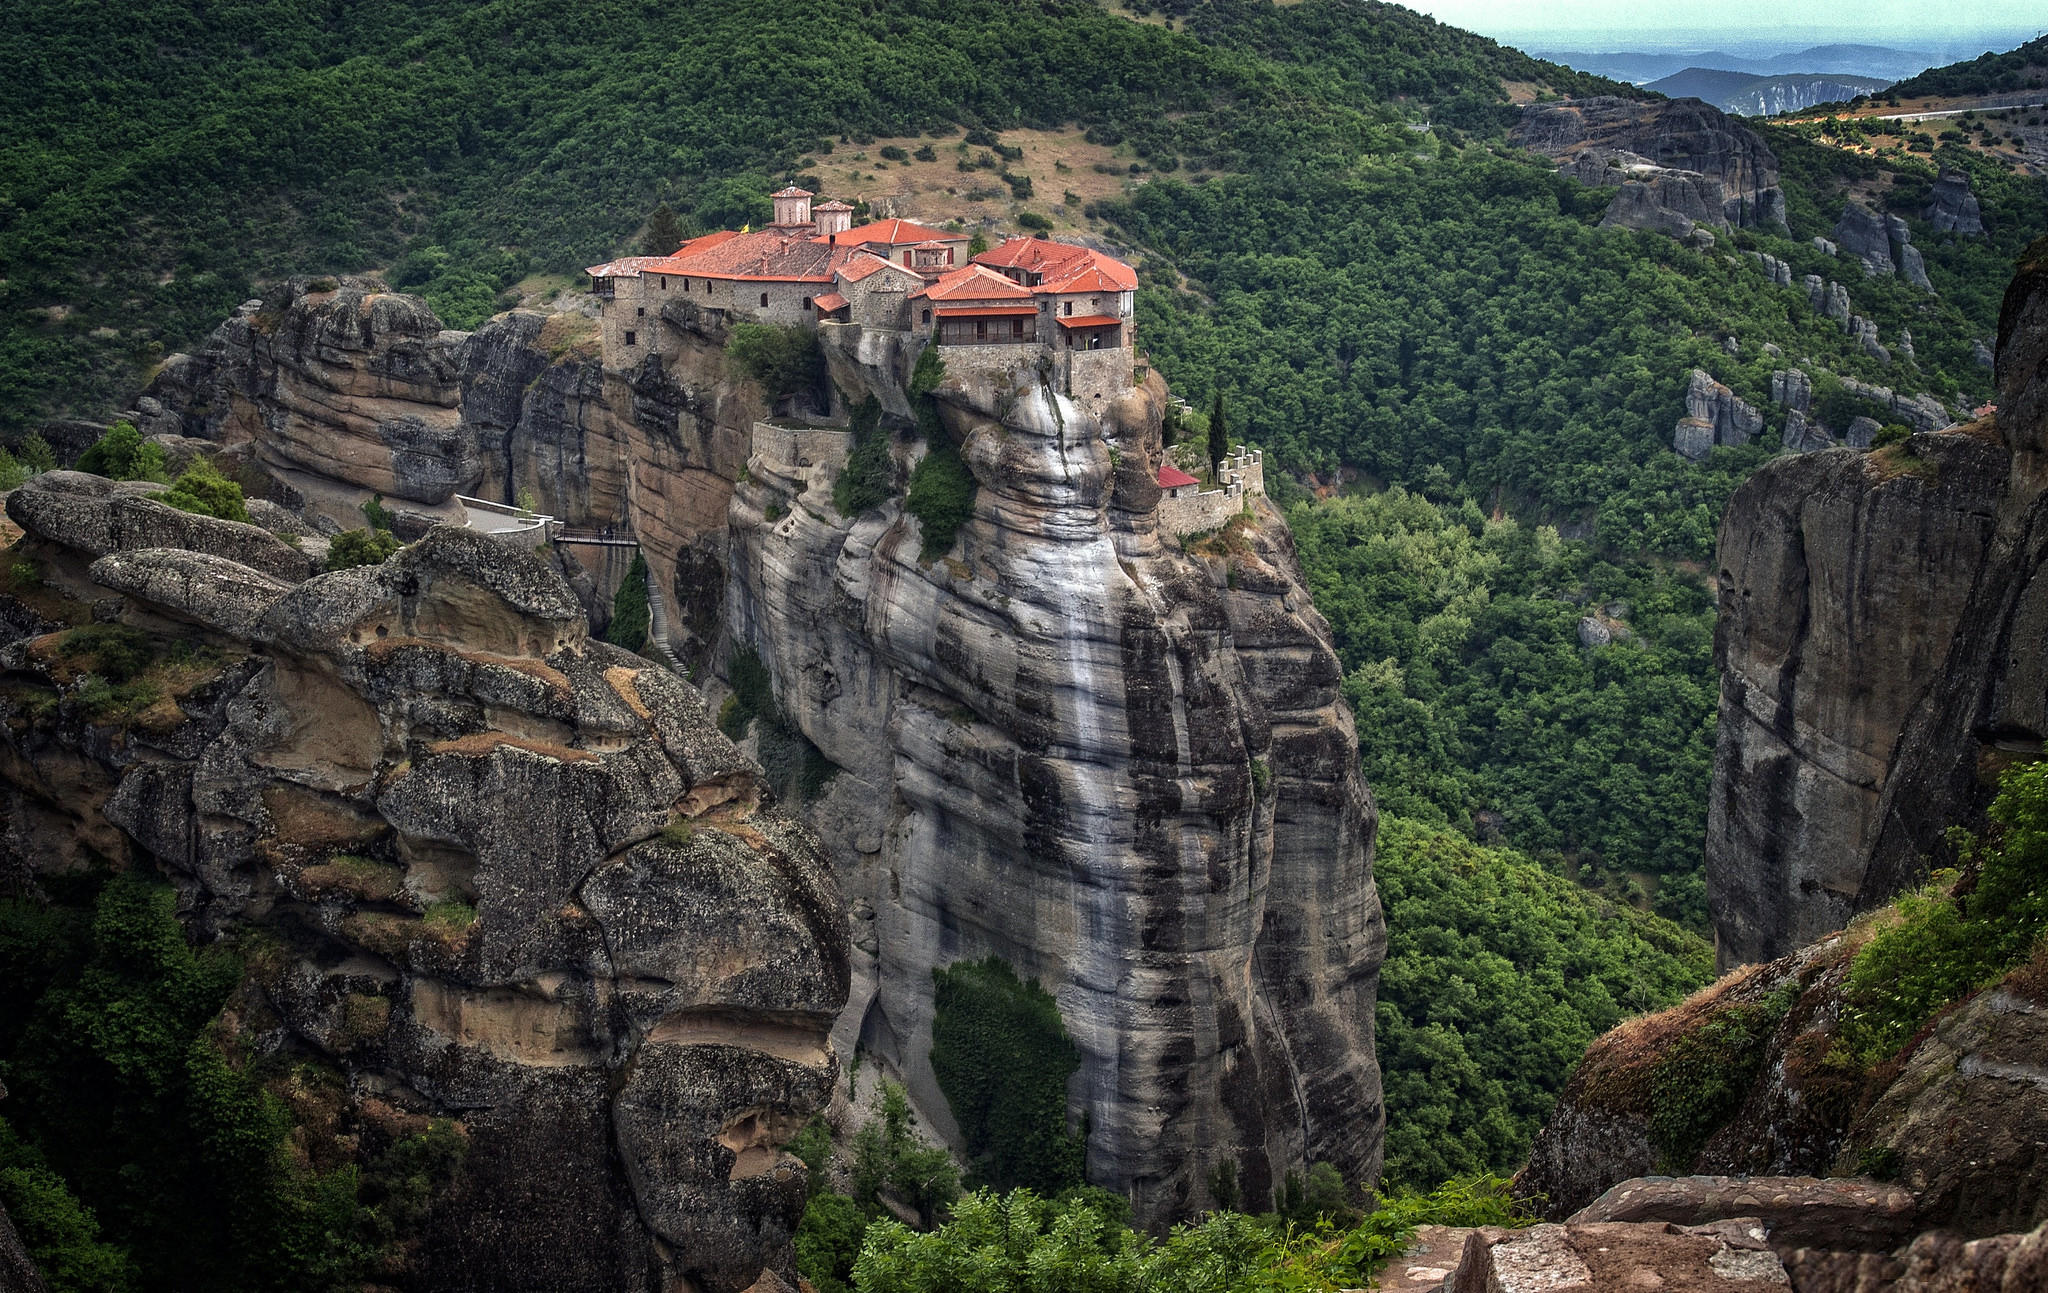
{"x":1422,"y":322}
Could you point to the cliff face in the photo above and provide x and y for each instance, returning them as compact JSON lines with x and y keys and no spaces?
{"x":1880,"y":652}
{"x":511,"y":876}
{"x":1124,"y":769}
{"x":1678,"y":163}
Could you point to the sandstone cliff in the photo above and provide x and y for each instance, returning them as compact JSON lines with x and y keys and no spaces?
{"x":1122,"y":767}
{"x":1126,"y":769}
{"x":1880,"y":645}
{"x":511,"y":876}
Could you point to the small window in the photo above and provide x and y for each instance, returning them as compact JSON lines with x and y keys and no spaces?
{"x":927,"y":316}
{"x":686,"y":285}
{"x":661,"y":281}
{"x":807,"y":303}
{"x":1069,"y":308}
{"x":1017,"y":327}
{"x":632,"y":337}
{"x":640,"y":312}
{"x":764,"y":300}
{"x":981,"y":329}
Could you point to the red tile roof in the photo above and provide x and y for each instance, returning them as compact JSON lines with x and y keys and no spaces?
{"x":862,"y":265}
{"x":793,"y":192}
{"x":1172,"y":477}
{"x":973,"y":283}
{"x":829,"y":302}
{"x":1062,"y":267}
{"x":834,"y":205}
{"x":898,"y":232}
{"x":772,"y":254}
{"x":1091,"y":321}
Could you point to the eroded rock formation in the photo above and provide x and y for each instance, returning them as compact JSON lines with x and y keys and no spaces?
{"x":1122,"y":767}
{"x":1678,"y":163}
{"x":1952,"y":208}
{"x":515,"y":876}
{"x":1880,"y":646}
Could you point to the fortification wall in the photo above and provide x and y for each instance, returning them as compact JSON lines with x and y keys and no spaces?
{"x":1243,"y":474}
{"x":802,"y":447}
{"x":1093,"y":375}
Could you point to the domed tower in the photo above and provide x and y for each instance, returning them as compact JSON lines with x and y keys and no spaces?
{"x":834,"y":217}
{"x":792,"y":205}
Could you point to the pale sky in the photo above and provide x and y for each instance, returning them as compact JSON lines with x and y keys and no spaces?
{"x":1861,"y":20}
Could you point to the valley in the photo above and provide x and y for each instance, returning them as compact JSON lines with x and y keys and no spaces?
{"x":1093,"y":619}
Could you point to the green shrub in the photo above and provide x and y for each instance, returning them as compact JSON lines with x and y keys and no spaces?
{"x":887,"y":1155}
{"x":631,"y":617}
{"x":59,"y":1233}
{"x":352,"y":548}
{"x":1002,"y":1057}
{"x":376,"y":514}
{"x":122,"y":454}
{"x":1957,"y":934}
{"x":1890,"y":434}
{"x":865,"y":482}
{"x":782,"y":360}
{"x":204,"y":490}
{"x":1033,"y":221}
{"x":941,"y":497}
{"x":828,"y":1241}
{"x":115,"y":652}
{"x":1701,"y":1081}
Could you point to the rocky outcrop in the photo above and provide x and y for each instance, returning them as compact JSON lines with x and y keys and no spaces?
{"x":1829,"y":633}
{"x":1792,"y":389}
{"x":1877,"y":647}
{"x":1883,"y":243}
{"x":1954,"y":1121}
{"x":1952,"y":208}
{"x":513,"y":877}
{"x":1804,"y":435}
{"x":1583,"y":1257}
{"x":1678,"y":163}
{"x":1122,"y":767}
{"x":344,"y":388}
{"x":1714,"y":415}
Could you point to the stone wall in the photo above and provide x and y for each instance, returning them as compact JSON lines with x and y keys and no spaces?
{"x":1243,"y":475}
{"x":1094,"y":377}
{"x":799,"y":446}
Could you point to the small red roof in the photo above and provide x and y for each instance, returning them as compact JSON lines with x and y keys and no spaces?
{"x":862,"y":265}
{"x":1092,"y":321}
{"x":898,"y":232}
{"x":973,"y":283}
{"x":792,"y":192}
{"x":829,"y":302}
{"x":1062,"y":266}
{"x":1172,"y":477}
{"x":834,"y":205}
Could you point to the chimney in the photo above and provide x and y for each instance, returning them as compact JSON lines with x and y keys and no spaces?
{"x":834,"y":218}
{"x":792,"y":205}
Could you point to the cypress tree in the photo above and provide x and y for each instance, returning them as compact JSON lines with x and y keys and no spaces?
{"x":1219,"y":434}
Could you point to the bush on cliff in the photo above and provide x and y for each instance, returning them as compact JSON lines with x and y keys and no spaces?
{"x":785,"y":361}
{"x":630,"y":615}
{"x":1002,"y":1056}
{"x":1960,"y":932}
{"x":204,"y":490}
{"x":941,"y":497}
{"x":122,"y":454}
{"x":352,"y":548}
{"x":865,"y":482}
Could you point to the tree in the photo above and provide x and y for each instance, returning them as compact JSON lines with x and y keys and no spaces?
{"x":630,"y":614}
{"x":1002,"y":1056}
{"x":352,"y":548}
{"x":978,"y":243}
{"x":204,"y":490}
{"x":1219,"y":434}
{"x":122,"y":454}
{"x":35,"y":453}
{"x":664,"y":232}
{"x":376,"y":514}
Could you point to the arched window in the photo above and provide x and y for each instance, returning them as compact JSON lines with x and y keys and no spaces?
{"x":927,"y":316}
{"x":807,"y":303}
{"x":661,"y":281}
{"x":764,"y":300}
{"x":686,"y":285}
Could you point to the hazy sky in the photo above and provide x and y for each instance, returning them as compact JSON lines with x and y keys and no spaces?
{"x":1873,"y":18}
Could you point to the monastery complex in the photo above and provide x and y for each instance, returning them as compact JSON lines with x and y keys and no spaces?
{"x":1028,"y":304}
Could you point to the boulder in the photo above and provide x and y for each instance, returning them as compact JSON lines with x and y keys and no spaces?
{"x":1594,"y":1257}
{"x":1825,"y":247}
{"x":1792,"y":389}
{"x":1797,"y":1211}
{"x":1804,"y":435}
{"x":211,"y":591}
{"x":1862,"y":234}
{"x":1861,"y":432}
{"x":1952,"y":208}
{"x":97,"y":516}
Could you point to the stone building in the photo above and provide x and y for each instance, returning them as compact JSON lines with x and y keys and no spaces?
{"x":1070,"y":307}
{"x":1186,"y":508}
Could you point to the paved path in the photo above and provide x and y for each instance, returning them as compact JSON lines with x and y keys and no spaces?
{"x":1432,"y":1256}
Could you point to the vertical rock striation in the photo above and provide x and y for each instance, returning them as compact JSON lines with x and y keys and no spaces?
{"x":1880,"y":647}
{"x":1124,"y":769}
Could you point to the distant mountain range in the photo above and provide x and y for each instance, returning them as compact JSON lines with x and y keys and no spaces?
{"x":1642,"y":68}
{"x":1751,"y":95}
